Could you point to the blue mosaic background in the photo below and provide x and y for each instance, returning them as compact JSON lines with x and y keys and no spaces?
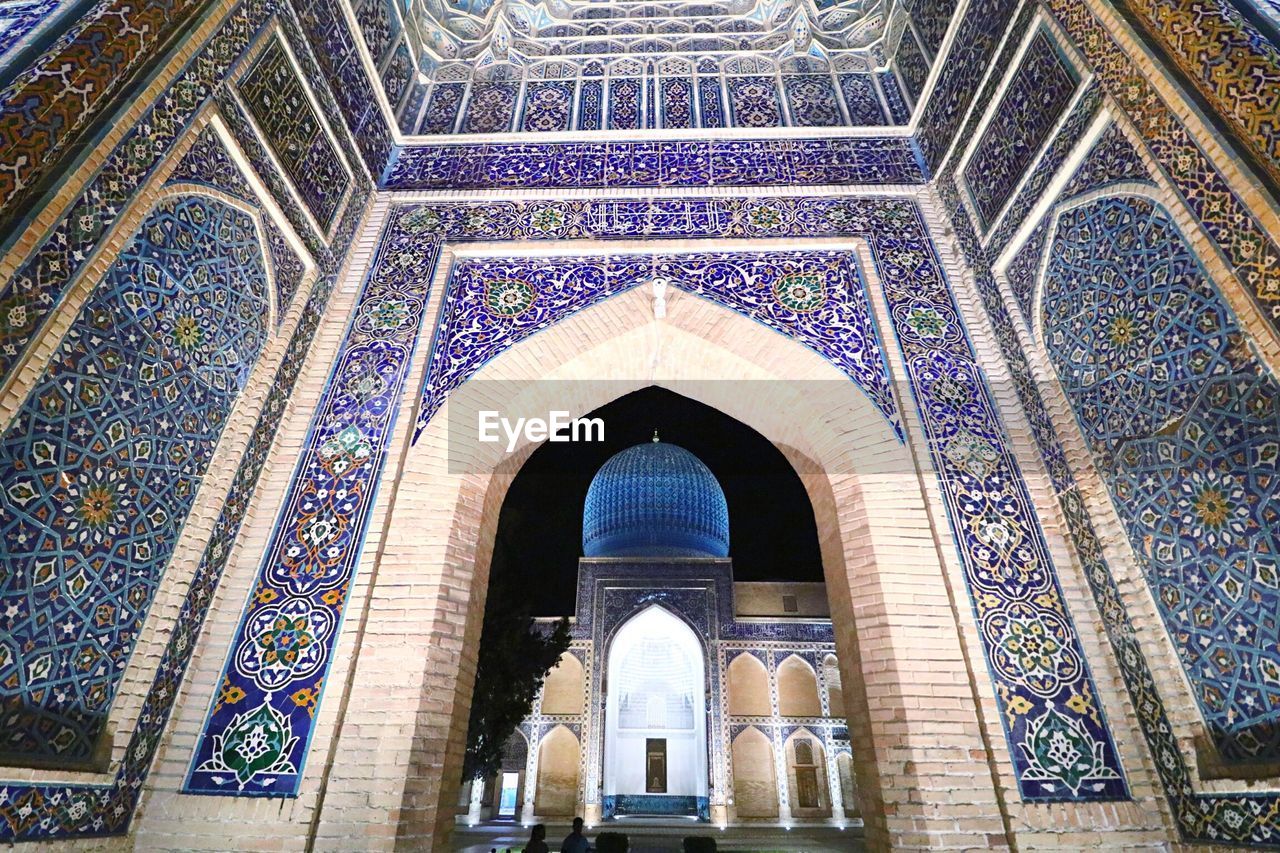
{"x":102,"y":464}
{"x":1039,"y":91}
{"x":1182,"y":419}
{"x":661,"y":163}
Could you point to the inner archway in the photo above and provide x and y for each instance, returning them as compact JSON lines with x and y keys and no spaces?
{"x":860,"y":479}
{"x":655,"y":741}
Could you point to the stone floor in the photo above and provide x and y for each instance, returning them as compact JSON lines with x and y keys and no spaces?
{"x":649,"y":836}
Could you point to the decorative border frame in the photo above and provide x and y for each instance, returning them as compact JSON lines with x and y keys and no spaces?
{"x":346,"y":449}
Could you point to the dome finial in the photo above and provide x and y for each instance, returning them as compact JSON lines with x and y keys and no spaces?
{"x":655,"y":436}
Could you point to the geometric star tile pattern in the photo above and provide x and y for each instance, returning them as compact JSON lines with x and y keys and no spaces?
{"x":1247,"y":817}
{"x":207,"y":162}
{"x":1182,"y":420}
{"x":102,"y":463}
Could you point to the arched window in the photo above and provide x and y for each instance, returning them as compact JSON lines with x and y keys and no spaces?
{"x":808,"y":774}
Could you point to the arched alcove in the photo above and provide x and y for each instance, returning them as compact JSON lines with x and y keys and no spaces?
{"x":807,"y":775}
{"x":129,"y":412}
{"x":562,"y":690}
{"x":1178,"y":412}
{"x":655,"y":709}
{"x":755,"y":789}
{"x":748,"y":687}
{"x":556,"y":794}
{"x":798,"y":689}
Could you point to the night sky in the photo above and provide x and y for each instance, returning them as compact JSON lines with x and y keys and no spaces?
{"x":771,"y":529}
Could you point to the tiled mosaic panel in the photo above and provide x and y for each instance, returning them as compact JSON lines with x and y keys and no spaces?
{"x":1239,"y":818}
{"x":625,"y":103}
{"x":52,"y":811}
{"x":257,"y":732}
{"x":1047,"y":697}
{"x":1235,"y":66}
{"x":21,"y":18}
{"x":815,"y":298}
{"x":754,"y":101}
{"x":29,"y":295}
{"x":339,"y":64}
{"x":102,"y":463}
{"x":207,"y":162}
{"x":913,"y":68}
{"x":812,"y":99}
{"x":398,"y":74}
{"x":1037,"y":94}
{"x":971,"y":54}
{"x":1112,"y":159}
{"x":677,"y":103}
{"x":638,"y":103}
{"x":1182,"y":420}
{"x":895,"y":104}
{"x":711,"y":103}
{"x":933,"y":141}
{"x":591,"y":105}
{"x":1023,"y":272}
{"x":860,"y":97}
{"x":490,"y":108}
{"x":411,"y":110}
{"x":442,"y":110}
{"x":280,"y":106}
{"x":547,"y":106}
{"x":377,"y":25}
{"x":1249,"y":249}
{"x":1058,"y":738}
{"x":40,"y":113}
{"x":931,"y":20}
{"x":1064,"y":142}
{"x":661,"y":163}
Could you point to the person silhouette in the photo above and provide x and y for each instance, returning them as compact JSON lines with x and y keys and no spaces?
{"x":575,"y":842}
{"x":537,"y":839}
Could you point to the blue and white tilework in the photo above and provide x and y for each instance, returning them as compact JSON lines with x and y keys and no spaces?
{"x":812,"y":99}
{"x":1038,"y":92}
{"x":102,"y":463}
{"x":1216,"y":818}
{"x":816,"y":298}
{"x":45,"y":811}
{"x":548,"y":105}
{"x":755,"y":102}
{"x":660,"y":163}
{"x":1182,"y":419}
{"x":1042,"y":681}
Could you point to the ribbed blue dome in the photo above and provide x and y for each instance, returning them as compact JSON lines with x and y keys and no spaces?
{"x":655,"y":500}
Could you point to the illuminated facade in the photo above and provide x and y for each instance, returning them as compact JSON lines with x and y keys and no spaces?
{"x":683,"y":694}
{"x":1003,"y":277}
